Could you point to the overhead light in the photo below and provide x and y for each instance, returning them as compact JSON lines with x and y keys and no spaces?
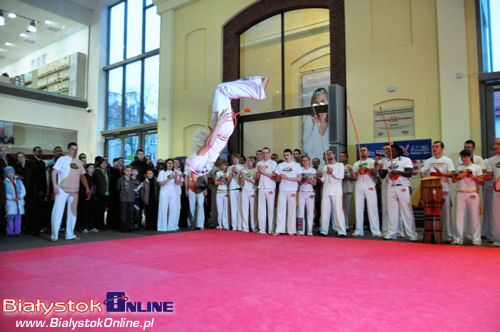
{"x":2,"y":50}
{"x":22,"y":34}
{"x":8,"y":44}
{"x":48,"y":22}
{"x":2,"y":19}
{"x":12,"y":15}
{"x":32,"y":27}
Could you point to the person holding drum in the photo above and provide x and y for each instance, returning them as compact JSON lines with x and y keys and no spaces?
{"x":468,"y":176}
{"x":441,"y":166}
{"x":493,"y":169}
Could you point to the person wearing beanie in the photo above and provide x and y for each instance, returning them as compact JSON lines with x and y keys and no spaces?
{"x":14,"y":206}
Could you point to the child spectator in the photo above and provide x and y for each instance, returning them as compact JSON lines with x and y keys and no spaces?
{"x":126,"y":189}
{"x":137,"y":221}
{"x":149,"y":195}
{"x":14,"y":206}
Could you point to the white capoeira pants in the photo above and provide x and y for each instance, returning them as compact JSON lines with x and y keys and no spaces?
{"x":398,"y":199}
{"x":196,"y":211}
{"x":369,"y":193}
{"x":495,"y":220}
{"x":347,"y":198}
{"x":286,"y":220}
{"x":248,"y":209}
{"x":167,"y":206}
{"x":306,"y":205}
{"x":234,"y":208}
{"x":266,"y":198}
{"x":327,"y":202}
{"x":62,"y":200}
{"x":222,"y":209}
{"x":245,"y":88}
{"x":446,"y":217}
{"x":471,"y":200}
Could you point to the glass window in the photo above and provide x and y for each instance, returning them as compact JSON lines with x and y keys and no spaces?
{"x":134,"y":27}
{"x":133,"y":94}
{"x":152,"y":36}
{"x":131,"y":145}
{"x":116,"y":32}
{"x":496,"y":103}
{"x":260,"y":54}
{"x":277,"y":134}
{"x":490,"y":34}
{"x":115,"y":81}
{"x":114,"y":149}
{"x":150,"y":143}
{"x":151,"y":79}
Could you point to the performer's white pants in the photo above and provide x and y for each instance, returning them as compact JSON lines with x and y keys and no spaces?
{"x":197,"y":214}
{"x":248,"y":209}
{"x":306,"y":205}
{"x":472,"y":202}
{"x":177,"y":210}
{"x":222,"y":209}
{"x":248,"y":88}
{"x":446,"y":217}
{"x":327,"y":202}
{"x":369,"y":193}
{"x":385,"y":215}
{"x":495,"y":221}
{"x":61,"y":200}
{"x":167,"y":205}
{"x":486,"y":229}
{"x":286,"y":215}
{"x":398,"y":199}
{"x":347,"y":198}
{"x":234,"y":207}
{"x":266,"y":198}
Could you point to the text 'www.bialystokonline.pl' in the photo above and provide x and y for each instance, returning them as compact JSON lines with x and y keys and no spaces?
{"x":81,"y":323}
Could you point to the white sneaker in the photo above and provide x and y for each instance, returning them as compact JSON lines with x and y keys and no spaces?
{"x":85,"y":231}
{"x":94,"y":230}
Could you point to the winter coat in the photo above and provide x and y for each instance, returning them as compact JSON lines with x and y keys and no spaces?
{"x":11,"y":205}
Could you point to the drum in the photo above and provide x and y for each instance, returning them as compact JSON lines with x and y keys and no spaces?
{"x":432,"y":200}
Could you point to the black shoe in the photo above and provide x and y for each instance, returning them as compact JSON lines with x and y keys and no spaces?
{"x":342,"y":235}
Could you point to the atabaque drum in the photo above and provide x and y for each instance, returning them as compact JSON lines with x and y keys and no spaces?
{"x":432,"y":200}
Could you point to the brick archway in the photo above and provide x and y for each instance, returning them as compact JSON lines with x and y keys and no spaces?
{"x":266,"y":8}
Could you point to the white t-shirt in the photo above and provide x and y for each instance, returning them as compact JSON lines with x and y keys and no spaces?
{"x":235,"y":180}
{"x":169,"y":187}
{"x":347,"y":184}
{"x":249,"y":173}
{"x":468,"y":183}
{"x":178,"y":186}
{"x":68,"y":173}
{"x":398,"y":164}
{"x":364,"y":179}
{"x":478,"y":160}
{"x":384,"y":181}
{"x":444,"y":164}
{"x":493,"y":165}
{"x":291,"y":170}
{"x":310,"y":174}
{"x":269,"y":167}
{"x":332,"y":183}
{"x":221,"y":175}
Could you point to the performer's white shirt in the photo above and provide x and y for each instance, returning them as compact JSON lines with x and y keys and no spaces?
{"x":169,"y":187}
{"x":443,"y":164}
{"x":467,"y":183}
{"x":291,"y":170}
{"x":249,"y":173}
{"x":220,"y":175}
{"x":398,"y":164}
{"x":478,"y":160}
{"x":493,"y":165}
{"x":269,"y":167}
{"x":332,"y":183}
{"x":364,"y":179}
{"x":235,"y":180}
{"x":308,"y":173}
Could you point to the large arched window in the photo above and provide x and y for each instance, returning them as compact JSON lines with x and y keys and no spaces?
{"x":300,"y":46}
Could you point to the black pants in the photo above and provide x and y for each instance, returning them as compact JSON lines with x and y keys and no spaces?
{"x":127,"y":215}
{"x":113,"y":219}
{"x":151,"y":212}
{"x":101,"y":206}
{"x":86,"y":213}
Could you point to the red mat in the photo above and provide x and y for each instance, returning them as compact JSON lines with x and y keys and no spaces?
{"x":223,"y":280}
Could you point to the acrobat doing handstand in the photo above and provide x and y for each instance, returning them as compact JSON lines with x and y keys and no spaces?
{"x":206,"y":150}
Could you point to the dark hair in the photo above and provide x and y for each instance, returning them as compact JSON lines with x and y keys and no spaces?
{"x":235,"y":155}
{"x":398,"y":148}
{"x":36,"y":147}
{"x":139,"y":150}
{"x":287,"y":150}
{"x":166,"y":162}
{"x":305,"y":156}
{"x":297,"y":150}
{"x":70,"y":145}
{"x":17,"y":154}
{"x":266,"y":148}
{"x":116,"y":159}
{"x":465,"y":153}
{"x":82,"y":155}
{"x":316,"y":92}
{"x":258,"y":151}
{"x":438,"y":142}
{"x":469,"y":141}
{"x":345,"y":152}
{"x":87,"y":166}
{"x":223,"y":162}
